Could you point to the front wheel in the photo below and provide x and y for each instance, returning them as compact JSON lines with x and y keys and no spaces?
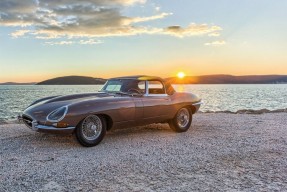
{"x":91,"y":131}
{"x":182,"y":120}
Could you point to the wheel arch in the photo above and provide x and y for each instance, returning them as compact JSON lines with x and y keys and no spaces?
{"x":108,"y":119}
{"x":173,"y":123}
{"x":190,"y":107}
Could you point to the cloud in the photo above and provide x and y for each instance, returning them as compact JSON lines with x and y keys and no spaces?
{"x":60,"y":43}
{"x":216,"y":43}
{"x":81,"y":42}
{"x":215,"y":34}
{"x":90,"y":42}
{"x":55,"y":19}
{"x":154,"y":17}
{"x":192,"y":30}
{"x":19,"y":33}
{"x":16,"y":6}
{"x":55,"y":3}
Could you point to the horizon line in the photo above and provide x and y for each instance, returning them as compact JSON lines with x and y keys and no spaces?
{"x":151,"y":75}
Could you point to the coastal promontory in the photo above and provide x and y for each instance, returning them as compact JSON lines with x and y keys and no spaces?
{"x":73,"y":80}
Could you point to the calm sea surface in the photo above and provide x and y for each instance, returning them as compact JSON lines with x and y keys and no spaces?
{"x":14,"y":99}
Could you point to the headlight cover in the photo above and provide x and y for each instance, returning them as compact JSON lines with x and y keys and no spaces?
{"x":58,"y":114}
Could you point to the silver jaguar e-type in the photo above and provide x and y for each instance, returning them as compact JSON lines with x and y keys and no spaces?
{"x":122,"y":102}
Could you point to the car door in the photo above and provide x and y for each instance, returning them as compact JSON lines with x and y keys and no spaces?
{"x":156,"y":103}
{"x":121,"y":108}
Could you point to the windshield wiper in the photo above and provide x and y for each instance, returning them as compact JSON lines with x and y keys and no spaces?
{"x":129,"y":94}
{"x":122,"y":93}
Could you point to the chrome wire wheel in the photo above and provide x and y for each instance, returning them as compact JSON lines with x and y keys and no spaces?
{"x":183,"y":117}
{"x":91,"y":130}
{"x":92,"y":127}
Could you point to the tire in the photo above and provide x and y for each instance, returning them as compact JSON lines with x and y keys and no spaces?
{"x":182,"y":120}
{"x":91,"y":131}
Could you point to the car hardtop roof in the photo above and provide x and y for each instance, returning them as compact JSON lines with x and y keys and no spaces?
{"x":140,"y":77}
{"x":169,"y":89}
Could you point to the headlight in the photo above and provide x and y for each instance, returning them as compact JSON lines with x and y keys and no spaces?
{"x":58,"y":114}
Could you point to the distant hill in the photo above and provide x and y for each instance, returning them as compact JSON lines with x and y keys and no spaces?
{"x":73,"y":80}
{"x":229,"y":79}
{"x":14,"y":83}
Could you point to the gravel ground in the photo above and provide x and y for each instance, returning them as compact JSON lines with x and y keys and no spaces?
{"x":221,"y":152}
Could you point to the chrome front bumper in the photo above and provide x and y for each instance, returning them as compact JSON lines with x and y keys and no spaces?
{"x":197,"y":103}
{"x":35,"y":126}
{"x":196,"y":106}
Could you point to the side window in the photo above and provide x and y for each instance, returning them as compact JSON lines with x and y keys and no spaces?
{"x":156,"y":87}
{"x":141,"y":86}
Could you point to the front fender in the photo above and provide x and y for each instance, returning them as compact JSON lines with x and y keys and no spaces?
{"x":43,"y":99}
{"x":118,"y":109}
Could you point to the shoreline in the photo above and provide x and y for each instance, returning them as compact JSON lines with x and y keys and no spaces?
{"x":249,"y":111}
{"x":242,"y":111}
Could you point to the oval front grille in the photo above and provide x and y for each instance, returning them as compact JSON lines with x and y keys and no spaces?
{"x":27,"y":121}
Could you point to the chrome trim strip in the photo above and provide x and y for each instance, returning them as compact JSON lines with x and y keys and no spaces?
{"x":60,"y":119}
{"x":155,"y":95}
{"x":43,"y":127}
{"x":37,"y":127}
{"x":197,"y":103}
{"x":34,"y":124}
{"x":147,"y":89}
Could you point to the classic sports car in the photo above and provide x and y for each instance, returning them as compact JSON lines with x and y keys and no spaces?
{"x":122,"y":102}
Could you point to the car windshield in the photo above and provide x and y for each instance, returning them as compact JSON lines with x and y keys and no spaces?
{"x":124,"y":86}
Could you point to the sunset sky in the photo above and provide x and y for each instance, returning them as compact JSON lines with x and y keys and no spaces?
{"x":41,"y":39}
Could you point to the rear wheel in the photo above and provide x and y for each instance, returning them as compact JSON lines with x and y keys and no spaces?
{"x":182,"y":120}
{"x":91,"y":131}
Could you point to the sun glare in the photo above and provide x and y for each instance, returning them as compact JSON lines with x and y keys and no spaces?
{"x":181,"y":75}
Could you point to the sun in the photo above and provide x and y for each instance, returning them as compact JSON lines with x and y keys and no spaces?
{"x":180,"y":75}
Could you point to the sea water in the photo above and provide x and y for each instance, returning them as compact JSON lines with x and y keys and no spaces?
{"x":14,"y":99}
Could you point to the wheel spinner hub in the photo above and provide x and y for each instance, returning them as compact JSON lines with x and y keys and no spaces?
{"x":91,"y":127}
